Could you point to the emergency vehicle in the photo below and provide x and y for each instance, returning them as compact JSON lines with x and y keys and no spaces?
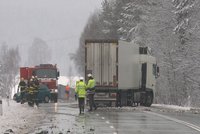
{"x":46,"y":73}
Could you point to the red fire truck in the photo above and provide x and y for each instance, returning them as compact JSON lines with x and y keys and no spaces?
{"x":46,"y":73}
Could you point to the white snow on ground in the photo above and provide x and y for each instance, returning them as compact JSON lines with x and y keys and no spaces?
{"x":16,"y":116}
{"x":195,"y":110}
{"x":172,"y":107}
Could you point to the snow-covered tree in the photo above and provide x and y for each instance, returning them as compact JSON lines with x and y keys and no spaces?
{"x":187,"y":48}
{"x":108,"y":20}
{"x":133,"y":21}
{"x":10,"y":60}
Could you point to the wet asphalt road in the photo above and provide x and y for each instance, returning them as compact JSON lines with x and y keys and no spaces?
{"x":60,"y":119}
{"x":64,"y":118}
{"x":138,"y":122}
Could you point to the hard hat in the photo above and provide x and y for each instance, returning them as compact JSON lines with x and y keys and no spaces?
{"x":32,"y":76}
{"x":89,"y":75}
{"x":81,"y":78}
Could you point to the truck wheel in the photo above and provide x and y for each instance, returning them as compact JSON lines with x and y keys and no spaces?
{"x":149,"y":99}
{"x":143,"y":99}
{"x":46,"y":99}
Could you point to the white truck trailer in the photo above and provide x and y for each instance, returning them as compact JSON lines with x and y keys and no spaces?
{"x":125,"y":73}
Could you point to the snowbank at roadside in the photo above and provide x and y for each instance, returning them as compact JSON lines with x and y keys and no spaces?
{"x":172,"y":107}
{"x":17,"y":116}
{"x":154,"y":107}
{"x":195,"y":110}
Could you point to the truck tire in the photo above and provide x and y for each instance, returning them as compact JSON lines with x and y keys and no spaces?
{"x":143,"y":99}
{"x":149,"y":99}
{"x":46,"y":99}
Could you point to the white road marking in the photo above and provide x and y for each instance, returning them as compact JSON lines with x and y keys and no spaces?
{"x":197,"y":128}
{"x":107,"y":122}
{"x":111,"y":127}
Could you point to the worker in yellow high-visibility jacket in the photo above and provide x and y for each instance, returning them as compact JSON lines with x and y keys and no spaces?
{"x":81,"y":92}
{"x":91,"y":91}
{"x":76,"y":96}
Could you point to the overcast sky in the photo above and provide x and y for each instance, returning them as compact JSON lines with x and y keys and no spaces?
{"x":58,"y":22}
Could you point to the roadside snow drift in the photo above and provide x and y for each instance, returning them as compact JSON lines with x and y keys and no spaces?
{"x":16,"y":117}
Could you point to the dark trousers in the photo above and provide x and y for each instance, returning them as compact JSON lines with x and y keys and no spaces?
{"x":81,"y":102}
{"x":33,"y":97}
{"x":91,"y":101}
{"x":22,"y":97}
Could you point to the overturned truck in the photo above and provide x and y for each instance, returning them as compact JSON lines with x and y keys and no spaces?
{"x":125,"y":73}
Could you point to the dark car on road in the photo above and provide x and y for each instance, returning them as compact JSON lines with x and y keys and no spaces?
{"x":44,"y":94}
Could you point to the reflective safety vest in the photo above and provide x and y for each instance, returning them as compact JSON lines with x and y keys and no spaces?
{"x":91,"y":83}
{"x":81,"y":89}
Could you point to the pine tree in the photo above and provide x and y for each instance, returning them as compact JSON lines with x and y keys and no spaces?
{"x":187,"y":47}
{"x":10,"y":60}
{"x":133,"y":21}
{"x":109,"y":22}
